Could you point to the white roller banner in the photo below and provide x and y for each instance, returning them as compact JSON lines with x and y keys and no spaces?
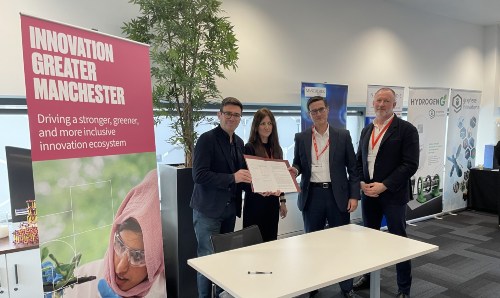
{"x":427,"y":109}
{"x":461,"y":146}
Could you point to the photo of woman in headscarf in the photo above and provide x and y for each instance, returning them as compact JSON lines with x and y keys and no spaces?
{"x":134,"y":259}
{"x":133,"y":265}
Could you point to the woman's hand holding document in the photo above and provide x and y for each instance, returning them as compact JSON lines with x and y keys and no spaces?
{"x":270,"y":175}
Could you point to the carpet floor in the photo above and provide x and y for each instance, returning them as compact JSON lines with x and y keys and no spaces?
{"x":467,"y":263}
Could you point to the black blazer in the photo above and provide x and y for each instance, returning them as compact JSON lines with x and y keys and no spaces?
{"x":213,"y":173}
{"x":341,"y":157}
{"x":396,"y":161}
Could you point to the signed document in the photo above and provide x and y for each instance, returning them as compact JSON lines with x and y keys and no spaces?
{"x":270,"y":175}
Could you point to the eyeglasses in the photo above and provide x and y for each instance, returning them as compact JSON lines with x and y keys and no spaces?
{"x":317,"y":111}
{"x":136,"y":257}
{"x":266,"y":123}
{"x":228,"y":115}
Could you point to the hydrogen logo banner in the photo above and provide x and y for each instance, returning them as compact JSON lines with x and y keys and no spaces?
{"x":427,"y":109}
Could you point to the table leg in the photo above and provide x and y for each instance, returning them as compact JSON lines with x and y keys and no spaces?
{"x":375,"y":284}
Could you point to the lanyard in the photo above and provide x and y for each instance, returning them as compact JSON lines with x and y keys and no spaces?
{"x":375,"y":140}
{"x":316,"y":145}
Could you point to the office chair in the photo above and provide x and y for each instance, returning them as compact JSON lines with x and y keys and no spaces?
{"x":228,"y":241}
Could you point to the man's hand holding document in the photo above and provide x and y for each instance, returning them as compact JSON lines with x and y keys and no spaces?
{"x":270,"y":175}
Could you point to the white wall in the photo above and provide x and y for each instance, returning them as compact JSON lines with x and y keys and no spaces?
{"x":360,"y":42}
{"x":488,"y":131}
{"x":354,"y":42}
{"x":106,"y":16}
{"x":284,"y":42}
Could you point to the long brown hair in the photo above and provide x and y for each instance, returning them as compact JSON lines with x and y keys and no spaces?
{"x":273,"y":140}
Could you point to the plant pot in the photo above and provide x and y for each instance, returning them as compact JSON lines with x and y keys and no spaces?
{"x":179,"y":240}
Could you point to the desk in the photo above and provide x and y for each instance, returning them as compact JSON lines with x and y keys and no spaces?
{"x":307,"y":262}
{"x":483,"y":191}
{"x":7,"y":246}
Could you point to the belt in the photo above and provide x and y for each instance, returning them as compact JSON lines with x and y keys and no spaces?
{"x":321,"y":184}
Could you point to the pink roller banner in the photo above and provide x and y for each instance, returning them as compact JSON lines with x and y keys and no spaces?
{"x":89,"y":94}
{"x":90,"y":112}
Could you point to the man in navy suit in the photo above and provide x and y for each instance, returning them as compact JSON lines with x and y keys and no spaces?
{"x":218,"y":171}
{"x":387,"y":158}
{"x":323,"y":156}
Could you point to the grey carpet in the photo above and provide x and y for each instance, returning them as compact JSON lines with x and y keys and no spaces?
{"x":467,"y":263}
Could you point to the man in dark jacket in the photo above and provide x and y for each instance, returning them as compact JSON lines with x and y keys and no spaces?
{"x":387,"y":158}
{"x":218,"y":170}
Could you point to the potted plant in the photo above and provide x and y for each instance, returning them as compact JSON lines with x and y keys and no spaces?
{"x":191,"y":46}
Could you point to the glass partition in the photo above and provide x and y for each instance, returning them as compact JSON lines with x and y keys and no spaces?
{"x":287,"y":118}
{"x":14,"y":130}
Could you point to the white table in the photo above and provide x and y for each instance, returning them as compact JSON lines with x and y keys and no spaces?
{"x":307,"y":262}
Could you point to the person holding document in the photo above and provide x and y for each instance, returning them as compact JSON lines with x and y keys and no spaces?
{"x":324,"y":155}
{"x":264,"y":211}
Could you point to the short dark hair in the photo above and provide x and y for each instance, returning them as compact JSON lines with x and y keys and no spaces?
{"x":315,"y":99}
{"x":231,"y":101}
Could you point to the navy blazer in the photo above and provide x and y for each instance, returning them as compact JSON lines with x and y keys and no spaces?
{"x":342,"y":158}
{"x":213,"y":173}
{"x":396,"y":161}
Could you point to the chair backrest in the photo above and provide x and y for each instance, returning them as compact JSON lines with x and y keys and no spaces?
{"x":245,"y":237}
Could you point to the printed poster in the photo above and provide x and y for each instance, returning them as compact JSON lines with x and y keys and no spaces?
{"x":336,"y":97}
{"x":427,"y":111}
{"x":461,"y":146}
{"x":94,"y":163}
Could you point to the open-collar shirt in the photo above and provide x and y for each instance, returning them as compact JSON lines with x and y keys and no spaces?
{"x":320,"y":168}
{"x":372,"y":152}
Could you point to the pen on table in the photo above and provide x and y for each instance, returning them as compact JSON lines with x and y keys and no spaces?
{"x":260,"y":272}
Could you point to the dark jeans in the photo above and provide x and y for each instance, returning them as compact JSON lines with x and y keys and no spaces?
{"x":321,"y":207}
{"x":204,"y":227}
{"x":395,"y":215}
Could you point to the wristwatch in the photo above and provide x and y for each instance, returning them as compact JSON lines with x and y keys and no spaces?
{"x":282,"y":199}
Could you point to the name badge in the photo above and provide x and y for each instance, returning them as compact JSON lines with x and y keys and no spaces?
{"x":371,"y":158}
{"x":316,"y":168}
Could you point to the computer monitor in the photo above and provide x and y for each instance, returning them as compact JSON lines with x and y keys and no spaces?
{"x":20,"y":173}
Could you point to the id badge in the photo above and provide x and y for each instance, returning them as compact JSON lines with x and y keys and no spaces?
{"x":316,"y":168}
{"x":371,"y":158}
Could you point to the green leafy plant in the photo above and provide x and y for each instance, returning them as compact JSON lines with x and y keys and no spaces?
{"x":191,"y":46}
